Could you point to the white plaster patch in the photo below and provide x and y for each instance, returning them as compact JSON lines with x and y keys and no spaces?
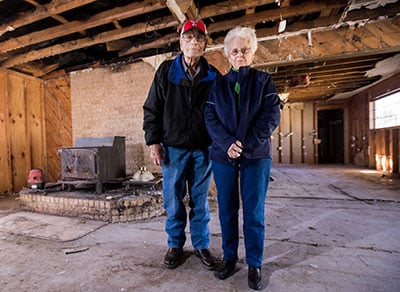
{"x":369,"y":4}
{"x":385,"y":67}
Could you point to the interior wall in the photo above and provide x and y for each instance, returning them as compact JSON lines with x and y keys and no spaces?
{"x":378,"y":149}
{"x":58,"y":120}
{"x":22,"y":129}
{"x":108,"y":102}
{"x":39,"y":116}
{"x":296,"y":139}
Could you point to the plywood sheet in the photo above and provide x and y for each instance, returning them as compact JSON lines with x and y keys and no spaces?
{"x":297,"y":136}
{"x":35,"y":125}
{"x":284,"y":138}
{"x":58,"y":122}
{"x":5,"y":163}
{"x":19,"y":136}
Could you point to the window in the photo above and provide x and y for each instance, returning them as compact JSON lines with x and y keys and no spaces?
{"x":385,"y":111}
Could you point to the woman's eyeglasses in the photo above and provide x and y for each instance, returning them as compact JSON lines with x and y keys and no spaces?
{"x":188,"y":37}
{"x":244,"y":51}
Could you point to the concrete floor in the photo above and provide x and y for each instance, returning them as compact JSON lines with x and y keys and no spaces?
{"x":328,"y":228}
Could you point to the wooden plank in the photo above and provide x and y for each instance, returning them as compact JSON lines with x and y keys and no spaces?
{"x":231,"y":6}
{"x":395,"y":150}
{"x":283,"y":135}
{"x":387,"y":156}
{"x":44,"y":11}
{"x":379,"y":148}
{"x":309,"y":133}
{"x":5,"y":159}
{"x":107,"y":36}
{"x":19,"y":139}
{"x":102,"y":18}
{"x":385,"y":33}
{"x":296,"y":138}
{"x":372,"y":150}
{"x":58,"y":122}
{"x":35,"y":119}
{"x":272,"y":14}
{"x":275,"y":146}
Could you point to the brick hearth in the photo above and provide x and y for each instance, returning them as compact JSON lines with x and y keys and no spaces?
{"x":111,"y":207}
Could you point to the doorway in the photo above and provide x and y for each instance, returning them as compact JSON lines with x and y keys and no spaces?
{"x":331,"y":134}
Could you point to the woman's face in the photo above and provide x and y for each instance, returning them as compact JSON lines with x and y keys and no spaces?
{"x":239,"y":53}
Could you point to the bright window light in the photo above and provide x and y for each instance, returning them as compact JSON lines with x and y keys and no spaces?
{"x":385,"y":112}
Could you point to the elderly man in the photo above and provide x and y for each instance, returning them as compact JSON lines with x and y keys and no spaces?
{"x":178,"y":139}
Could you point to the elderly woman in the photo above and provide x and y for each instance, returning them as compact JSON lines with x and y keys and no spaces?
{"x":242,"y":111}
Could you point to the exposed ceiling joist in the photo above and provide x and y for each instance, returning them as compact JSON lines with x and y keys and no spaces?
{"x":333,"y":43}
{"x":53,"y":8}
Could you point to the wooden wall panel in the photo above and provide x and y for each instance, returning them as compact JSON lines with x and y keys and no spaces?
{"x":275,"y":146}
{"x":379,"y":147}
{"x":284,"y":131}
{"x":396,"y":150}
{"x":21,"y":129}
{"x":58,"y":122}
{"x":19,"y":136}
{"x":35,"y":119}
{"x":296,"y":133}
{"x":309,"y":133}
{"x":5,"y":158}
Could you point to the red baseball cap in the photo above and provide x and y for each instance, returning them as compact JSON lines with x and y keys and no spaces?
{"x":194,"y":24}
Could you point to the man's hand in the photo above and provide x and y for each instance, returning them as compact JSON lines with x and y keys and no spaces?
{"x":235,"y":150}
{"x":156,"y":154}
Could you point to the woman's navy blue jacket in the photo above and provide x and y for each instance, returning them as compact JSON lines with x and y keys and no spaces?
{"x":254,"y":121}
{"x":174,"y":108}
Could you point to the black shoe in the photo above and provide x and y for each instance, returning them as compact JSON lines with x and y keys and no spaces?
{"x":174,"y":258}
{"x":254,"y":278}
{"x":225,"y":269}
{"x":206,"y":258}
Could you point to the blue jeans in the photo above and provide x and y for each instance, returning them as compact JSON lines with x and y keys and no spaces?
{"x":186,"y":171}
{"x":254,"y":180}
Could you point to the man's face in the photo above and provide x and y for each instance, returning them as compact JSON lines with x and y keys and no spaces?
{"x":193,"y":43}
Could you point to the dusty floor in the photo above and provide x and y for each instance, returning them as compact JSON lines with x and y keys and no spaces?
{"x":329,"y":228}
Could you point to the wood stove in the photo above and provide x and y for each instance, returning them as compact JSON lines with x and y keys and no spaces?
{"x":93,"y":160}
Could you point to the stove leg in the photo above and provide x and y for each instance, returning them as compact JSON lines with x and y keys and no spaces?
{"x":99,"y":187}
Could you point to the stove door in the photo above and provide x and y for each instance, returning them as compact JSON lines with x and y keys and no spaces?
{"x":78,"y":163}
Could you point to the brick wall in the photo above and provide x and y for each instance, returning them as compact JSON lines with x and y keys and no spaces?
{"x":108,"y":102}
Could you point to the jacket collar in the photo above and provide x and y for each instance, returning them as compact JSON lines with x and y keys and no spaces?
{"x":176,"y":72}
{"x":239,"y":74}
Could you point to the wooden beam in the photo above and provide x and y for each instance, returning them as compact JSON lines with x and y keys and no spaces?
{"x":57,"y":17}
{"x":231,"y":6}
{"x":272,"y":15}
{"x":178,"y":8}
{"x":88,"y":41}
{"x":41,"y":12}
{"x":112,"y":15}
{"x":167,"y":39}
{"x":330,"y":57}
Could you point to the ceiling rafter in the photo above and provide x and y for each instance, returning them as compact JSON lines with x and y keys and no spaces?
{"x":271,"y":15}
{"x":178,"y":8}
{"x":231,"y":6}
{"x":53,"y":8}
{"x":101,"y":18}
{"x":334,"y":46}
{"x":88,"y":41}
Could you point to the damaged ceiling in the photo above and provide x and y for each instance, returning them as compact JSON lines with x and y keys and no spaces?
{"x":315,"y":50}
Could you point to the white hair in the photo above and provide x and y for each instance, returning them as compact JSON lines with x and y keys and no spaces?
{"x":241,"y":32}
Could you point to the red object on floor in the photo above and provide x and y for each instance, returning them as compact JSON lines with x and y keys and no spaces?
{"x":35,"y":179}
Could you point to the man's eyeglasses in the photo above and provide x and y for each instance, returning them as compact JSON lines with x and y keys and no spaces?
{"x":188,"y":37}
{"x":244,"y":51}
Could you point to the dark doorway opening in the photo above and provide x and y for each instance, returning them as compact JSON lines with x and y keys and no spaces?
{"x":331,"y":134}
